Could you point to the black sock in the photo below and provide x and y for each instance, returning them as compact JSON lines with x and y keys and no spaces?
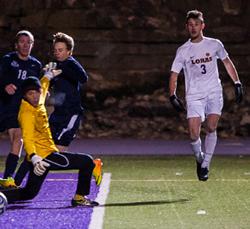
{"x":10,"y":165}
{"x":22,"y":171}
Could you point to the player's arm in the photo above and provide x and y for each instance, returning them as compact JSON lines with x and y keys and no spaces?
{"x":50,"y":72}
{"x":27,"y":120}
{"x":174,"y":100}
{"x":74,"y":72}
{"x":173,"y":83}
{"x":232,"y":72}
{"x":7,"y":82}
{"x":45,"y":86}
{"x":27,"y":123}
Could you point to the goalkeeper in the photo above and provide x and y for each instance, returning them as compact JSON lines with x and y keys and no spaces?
{"x":41,"y":150}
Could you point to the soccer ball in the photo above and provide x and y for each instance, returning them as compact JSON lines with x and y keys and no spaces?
{"x":3,"y":203}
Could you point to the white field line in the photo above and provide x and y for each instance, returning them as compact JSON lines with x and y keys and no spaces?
{"x":160,"y":180}
{"x":97,"y":217}
{"x":183,"y":180}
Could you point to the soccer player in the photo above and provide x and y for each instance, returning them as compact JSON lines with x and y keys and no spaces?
{"x":66,"y":92}
{"x":15,"y":68}
{"x":40,"y":147}
{"x":204,"y":100}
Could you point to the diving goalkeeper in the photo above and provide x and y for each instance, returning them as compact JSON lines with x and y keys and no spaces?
{"x":41,"y":150}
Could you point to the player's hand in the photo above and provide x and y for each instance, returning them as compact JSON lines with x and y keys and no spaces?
{"x":238,"y":92}
{"x":10,"y":89}
{"x":40,"y":165}
{"x":50,"y":70}
{"x":177,"y":103}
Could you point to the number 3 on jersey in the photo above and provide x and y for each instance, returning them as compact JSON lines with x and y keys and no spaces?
{"x":22,"y":74}
{"x":203,"y":69}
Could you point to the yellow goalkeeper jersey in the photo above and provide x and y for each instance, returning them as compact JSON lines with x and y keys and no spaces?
{"x":34,"y":124}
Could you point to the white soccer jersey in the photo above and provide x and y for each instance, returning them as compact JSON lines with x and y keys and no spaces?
{"x":199,"y":63}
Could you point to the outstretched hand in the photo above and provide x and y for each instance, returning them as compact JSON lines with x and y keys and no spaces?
{"x":50,"y":70}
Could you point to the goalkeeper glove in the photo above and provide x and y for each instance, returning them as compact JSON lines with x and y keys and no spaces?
{"x":50,"y":70}
{"x":40,"y":165}
{"x":177,"y":103}
{"x":238,"y":91}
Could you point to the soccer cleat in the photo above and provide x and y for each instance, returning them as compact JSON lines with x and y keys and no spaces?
{"x":204,"y":174}
{"x":97,"y":172}
{"x":8,"y":183}
{"x":79,"y":200}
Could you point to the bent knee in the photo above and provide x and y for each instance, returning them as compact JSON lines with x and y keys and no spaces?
{"x":29,"y":194}
{"x":87,"y":162}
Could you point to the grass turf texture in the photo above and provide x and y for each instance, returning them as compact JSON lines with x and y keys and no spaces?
{"x":163,"y":192}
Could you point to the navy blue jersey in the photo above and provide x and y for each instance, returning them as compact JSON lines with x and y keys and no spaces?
{"x":14,"y":71}
{"x":67,"y":87}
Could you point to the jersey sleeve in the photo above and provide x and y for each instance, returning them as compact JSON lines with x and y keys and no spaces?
{"x":45,"y":86}
{"x":178,"y":62}
{"x":73,"y":71}
{"x":5,"y":69}
{"x":221,"y":51}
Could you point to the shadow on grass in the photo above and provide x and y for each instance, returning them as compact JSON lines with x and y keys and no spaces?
{"x":21,"y":205}
{"x":159,"y":202}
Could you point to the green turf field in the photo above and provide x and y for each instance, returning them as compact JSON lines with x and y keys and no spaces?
{"x":163,"y":192}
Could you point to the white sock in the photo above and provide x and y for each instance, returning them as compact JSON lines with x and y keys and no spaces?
{"x":196,"y":147}
{"x":210,"y":143}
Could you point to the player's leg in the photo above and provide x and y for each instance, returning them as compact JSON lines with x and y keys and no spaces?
{"x":194,"y":131}
{"x":213,"y":110}
{"x":30,"y":190}
{"x":63,"y":129}
{"x":85,"y":164}
{"x":211,"y":139}
{"x":15,"y":135}
{"x":22,"y":171}
{"x":194,"y":126}
{"x":196,"y":115}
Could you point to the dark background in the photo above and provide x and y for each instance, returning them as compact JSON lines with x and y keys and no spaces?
{"x":127,"y":48}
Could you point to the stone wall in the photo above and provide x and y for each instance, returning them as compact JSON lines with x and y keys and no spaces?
{"x":127,"y":48}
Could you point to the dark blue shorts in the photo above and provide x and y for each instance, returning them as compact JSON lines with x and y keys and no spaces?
{"x":8,"y":120}
{"x":64,"y":127}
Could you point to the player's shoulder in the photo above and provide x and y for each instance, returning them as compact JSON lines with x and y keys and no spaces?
{"x":212,"y":40}
{"x":9,"y":56}
{"x":26,"y":108}
{"x":71,"y":61}
{"x":34,"y":60}
{"x":184,"y":47}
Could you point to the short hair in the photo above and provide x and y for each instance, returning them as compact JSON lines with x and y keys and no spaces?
{"x":24,"y":33}
{"x":62,"y":37}
{"x":195,"y":14}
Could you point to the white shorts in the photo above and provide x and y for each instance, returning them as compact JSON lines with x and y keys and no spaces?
{"x":212,"y":104}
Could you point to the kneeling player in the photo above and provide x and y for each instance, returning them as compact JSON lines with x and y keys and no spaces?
{"x":41,"y":150}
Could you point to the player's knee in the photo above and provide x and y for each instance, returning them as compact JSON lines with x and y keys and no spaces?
{"x":30,"y":194}
{"x":87,"y":163}
{"x":91,"y":163}
{"x":194,"y":136}
{"x":211,"y":128}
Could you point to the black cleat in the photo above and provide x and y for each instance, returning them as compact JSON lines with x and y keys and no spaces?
{"x":198,"y":169}
{"x":203,"y":174}
{"x":84,"y":201}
